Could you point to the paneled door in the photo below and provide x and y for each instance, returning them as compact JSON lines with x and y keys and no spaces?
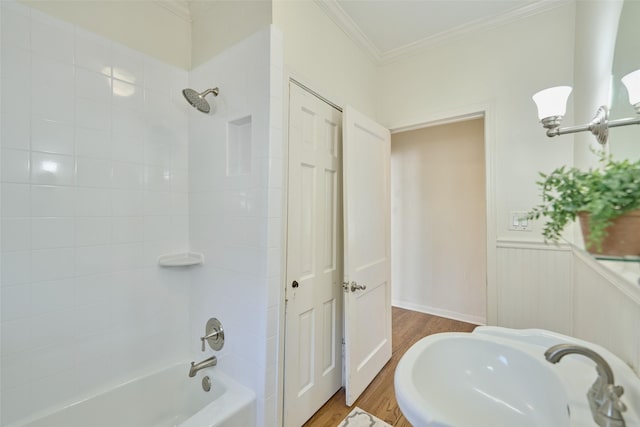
{"x":367,"y":246}
{"x":314,"y":293}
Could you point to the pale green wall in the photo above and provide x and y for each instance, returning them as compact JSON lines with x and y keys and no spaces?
{"x":219,"y":24}
{"x":140,"y":25}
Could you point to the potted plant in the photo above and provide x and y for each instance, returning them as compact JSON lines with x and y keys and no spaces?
{"x":605,"y":199}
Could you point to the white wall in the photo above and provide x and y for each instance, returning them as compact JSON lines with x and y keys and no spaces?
{"x":623,"y":141}
{"x":498,"y":69}
{"x":94,"y":188}
{"x":145,"y":26}
{"x":596,"y":30}
{"x":438,"y":220}
{"x":320,"y":55}
{"x":235,"y":213}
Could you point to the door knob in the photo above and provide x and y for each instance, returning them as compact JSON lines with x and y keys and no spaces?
{"x":355,"y":287}
{"x":295,"y":284}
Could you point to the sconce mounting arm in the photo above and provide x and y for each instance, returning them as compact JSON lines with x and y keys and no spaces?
{"x":599,"y":126}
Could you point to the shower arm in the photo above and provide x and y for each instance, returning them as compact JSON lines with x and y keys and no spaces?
{"x":214,"y":91}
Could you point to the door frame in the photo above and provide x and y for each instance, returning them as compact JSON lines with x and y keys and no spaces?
{"x":470,"y":112}
{"x":486,"y":110}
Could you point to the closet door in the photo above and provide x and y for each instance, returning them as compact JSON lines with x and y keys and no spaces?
{"x":313,"y":336}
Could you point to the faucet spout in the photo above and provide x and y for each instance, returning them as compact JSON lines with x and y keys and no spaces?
{"x":557,"y":352}
{"x":206,"y":363}
{"x":604,"y":396}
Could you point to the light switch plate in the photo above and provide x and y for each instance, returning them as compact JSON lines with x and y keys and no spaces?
{"x":518,"y":221}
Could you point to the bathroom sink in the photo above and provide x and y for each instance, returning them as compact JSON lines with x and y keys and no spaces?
{"x":499,"y":377}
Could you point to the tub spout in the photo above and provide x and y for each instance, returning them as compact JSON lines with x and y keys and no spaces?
{"x":206,"y":363}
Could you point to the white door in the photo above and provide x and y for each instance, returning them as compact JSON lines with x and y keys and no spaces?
{"x":313,"y":355}
{"x":367,"y":246}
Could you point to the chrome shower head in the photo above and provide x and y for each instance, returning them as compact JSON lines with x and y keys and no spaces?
{"x":197,"y":99}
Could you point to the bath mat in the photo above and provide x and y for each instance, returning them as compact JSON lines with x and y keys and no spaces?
{"x":361,"y":418}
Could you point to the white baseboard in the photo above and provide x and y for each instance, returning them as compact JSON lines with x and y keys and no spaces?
{"x":463,"y":317}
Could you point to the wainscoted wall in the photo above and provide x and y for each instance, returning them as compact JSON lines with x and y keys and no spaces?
{"x":564,"y":290}
{"x":534,"y":284}
{"x":236,"y":211}
{"x":94,"y":189}
{"x":606,"y":309}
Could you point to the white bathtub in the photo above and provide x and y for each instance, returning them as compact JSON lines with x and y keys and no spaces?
{"x":167,"y":398}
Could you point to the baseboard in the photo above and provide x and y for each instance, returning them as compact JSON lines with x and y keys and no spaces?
{"x":463,"y":317}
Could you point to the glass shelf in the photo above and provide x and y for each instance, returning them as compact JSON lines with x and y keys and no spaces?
{"x":627,"y":267}
{"x":628,"y":258}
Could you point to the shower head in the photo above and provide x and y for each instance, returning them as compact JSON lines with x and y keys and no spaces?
{"x":197,"y":99}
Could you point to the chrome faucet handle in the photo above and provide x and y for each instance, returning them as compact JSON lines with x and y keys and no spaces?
{"x":213,"y":334}
{"x":609,"y":413}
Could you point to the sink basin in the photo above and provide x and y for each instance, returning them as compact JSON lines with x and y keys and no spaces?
{"x":499,"y":377}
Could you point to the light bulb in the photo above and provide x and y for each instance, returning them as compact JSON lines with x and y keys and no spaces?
{"x":552,"y":102}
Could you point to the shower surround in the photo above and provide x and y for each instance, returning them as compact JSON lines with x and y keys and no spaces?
{"x":235,"y":211}
{"x":96,"y":184}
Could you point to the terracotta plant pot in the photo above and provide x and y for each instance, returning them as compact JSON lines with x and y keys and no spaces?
{"x":623,"y":236}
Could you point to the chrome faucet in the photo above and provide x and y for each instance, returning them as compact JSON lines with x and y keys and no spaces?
{"x":604,"y":395}
{"x":206,"y":363}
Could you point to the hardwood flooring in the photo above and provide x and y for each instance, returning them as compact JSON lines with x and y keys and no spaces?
{"x":379,"y":398}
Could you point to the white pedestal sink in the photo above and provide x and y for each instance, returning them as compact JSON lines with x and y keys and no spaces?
{"x":498,"y":377}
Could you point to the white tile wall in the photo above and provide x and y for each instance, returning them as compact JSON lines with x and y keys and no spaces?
{"x":230,"y":214}
{"x":93,"y":167}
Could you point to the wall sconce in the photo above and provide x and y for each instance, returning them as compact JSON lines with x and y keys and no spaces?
{"x":552,"y":104}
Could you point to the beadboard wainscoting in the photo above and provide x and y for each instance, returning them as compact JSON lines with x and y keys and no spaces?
{"x":606,"y":309}
{"x":562,"y":289}
{"x":534,"y":285}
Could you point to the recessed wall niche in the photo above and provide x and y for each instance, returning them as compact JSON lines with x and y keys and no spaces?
{"x":239,"y":146}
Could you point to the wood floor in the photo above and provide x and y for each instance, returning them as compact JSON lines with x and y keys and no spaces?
{"x":379,"y":398}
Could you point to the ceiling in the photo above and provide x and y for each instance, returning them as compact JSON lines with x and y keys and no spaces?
{"x":388,"y":29}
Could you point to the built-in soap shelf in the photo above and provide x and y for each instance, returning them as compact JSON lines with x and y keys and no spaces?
{"x":183,"y":259}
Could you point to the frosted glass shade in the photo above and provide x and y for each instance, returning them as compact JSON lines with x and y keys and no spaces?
{"x":552,"y":102}
{"x":632,"y":83}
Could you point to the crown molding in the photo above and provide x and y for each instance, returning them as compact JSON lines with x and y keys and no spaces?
{"x":337,"y":14}
{"x":477,"y":25}
{"x":344,"y":21}
{"x":180,"y":8}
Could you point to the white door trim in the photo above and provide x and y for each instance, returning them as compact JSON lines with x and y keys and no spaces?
{"x":470,"y":112}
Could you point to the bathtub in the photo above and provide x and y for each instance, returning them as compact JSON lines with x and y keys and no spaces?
{"x":168,"y":398}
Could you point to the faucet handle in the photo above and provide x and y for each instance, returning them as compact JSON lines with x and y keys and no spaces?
{"x":213,"y":335}
{"x":615,"y":393}
{"x":612,"y":407}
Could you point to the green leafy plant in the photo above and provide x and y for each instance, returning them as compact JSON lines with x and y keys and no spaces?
{"x":602,"y":193}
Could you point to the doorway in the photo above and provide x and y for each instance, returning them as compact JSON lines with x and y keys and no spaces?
{"x":338,"y":290}
{"x":438,"y":221}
